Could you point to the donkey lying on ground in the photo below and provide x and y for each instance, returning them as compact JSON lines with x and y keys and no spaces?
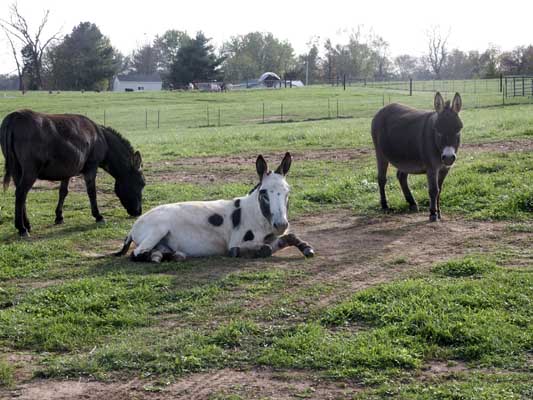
{"x":417,"y":142}
{"x":252,"y":226}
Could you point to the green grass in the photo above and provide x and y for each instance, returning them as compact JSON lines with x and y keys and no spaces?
{"x":6,"y":374}
{"x":84,"y":313}
{"x":485,"y":321}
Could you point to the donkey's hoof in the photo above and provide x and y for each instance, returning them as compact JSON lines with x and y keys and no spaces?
{"x":309,"y":252}
{"x":179,"y":256}
{"x":264,"y":251}
{"x":156,"y":256}
{"x":413,"y":208}
{"x":433,"y":218}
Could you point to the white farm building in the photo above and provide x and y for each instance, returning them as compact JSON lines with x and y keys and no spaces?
{"x":137,"y":82}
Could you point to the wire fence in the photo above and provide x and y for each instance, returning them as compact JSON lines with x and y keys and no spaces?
{"x":182,"y":110}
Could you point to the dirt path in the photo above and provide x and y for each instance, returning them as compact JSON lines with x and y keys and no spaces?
{"x":353,"y":253}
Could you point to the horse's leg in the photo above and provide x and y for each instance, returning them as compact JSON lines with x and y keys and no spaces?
{"x":402,"y":178}
{"x":383,"y":165}
{"x":292,"y":240}
{"x":23,"y":186}
{"x":63,"y":191}
{"x":433,"y":188}
{"x":90,"y":182}
{"x":442,"y":175}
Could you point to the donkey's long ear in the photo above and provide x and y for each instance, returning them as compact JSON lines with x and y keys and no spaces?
{"x":261,"y":166}
{"x":285,"y":165}
{"x":438,"y":102}
{"x":457,"y":103}
{"x":137,"y":160}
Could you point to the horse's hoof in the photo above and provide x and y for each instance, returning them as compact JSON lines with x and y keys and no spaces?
{"x":309,"y":252}
{"x":100,"y":221}
{"x":59,"y":221}
{"x":413,"y":208}
{"x":24,"y":234}
{"x":433,"y":218}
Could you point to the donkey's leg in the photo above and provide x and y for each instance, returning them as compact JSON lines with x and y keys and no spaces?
{"x":433,"y":189}
{"x":402,"y":177}
{"x":442,"y":175}
{"x":292,"y":240}
{"x":63,"y":191}
{"x":251,"y":251}
{"x":147,"y":244}
{"x":90,"y":183}
{"x":24,"y":184}
{"x":383,"y":165}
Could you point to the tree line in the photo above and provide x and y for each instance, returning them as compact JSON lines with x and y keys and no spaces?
{"x":85,"y":59}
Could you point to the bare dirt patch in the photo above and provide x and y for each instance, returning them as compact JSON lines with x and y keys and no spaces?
{"x":252,"y":384}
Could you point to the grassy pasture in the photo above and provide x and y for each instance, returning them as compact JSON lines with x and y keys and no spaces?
{"x":392,"y":306}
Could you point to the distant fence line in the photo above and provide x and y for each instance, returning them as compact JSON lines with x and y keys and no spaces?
{"x":218,"y":115}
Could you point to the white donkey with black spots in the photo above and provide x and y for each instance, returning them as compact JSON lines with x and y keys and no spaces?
{"x":255,"y":225}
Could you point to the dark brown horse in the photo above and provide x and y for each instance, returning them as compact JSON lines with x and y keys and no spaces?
{"x":417,"y":142}
{"x":56,"y":147}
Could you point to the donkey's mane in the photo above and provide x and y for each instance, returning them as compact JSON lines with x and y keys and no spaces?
{"x":110,"y":131}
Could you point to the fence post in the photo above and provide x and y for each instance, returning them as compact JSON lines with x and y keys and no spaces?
{"x":383,"y":99}
{"x":158,"y":111}
{"x":410,"y":86}
{"x":207,"y":108}
{"x":219,"y":117}
{"x":344,"y":81}
{"x":263,"y":112}
{"x":329,"y":110}
{"x":501,"y":82}
{"x":281,"y":112}
{"x":337,"y":108}
{"x":145,"y":119}
{"x":523,"y":86}
{"x":104,"y":117}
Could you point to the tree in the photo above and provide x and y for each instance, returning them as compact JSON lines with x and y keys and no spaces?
{"x":85,"y":59}
{"x":406,"y":66}
{"x":33,"y":45}
{"x":517,"y":61}
{"x":145,"y":60}
{"x":437,"y":50}
{"x":167,"y":47}
{"x":489,"y":62}
{"x":248,"y":56}
{"x":195,"y":61}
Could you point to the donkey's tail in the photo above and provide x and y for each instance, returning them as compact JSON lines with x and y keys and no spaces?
{"x":125,"y":247}
{"x":6,"y":142}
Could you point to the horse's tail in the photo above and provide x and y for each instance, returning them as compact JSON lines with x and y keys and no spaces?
{"x":6,"y":142}
{"x":125,"y":247}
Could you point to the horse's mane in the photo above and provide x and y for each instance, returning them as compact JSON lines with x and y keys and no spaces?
{"x":121,"y":139}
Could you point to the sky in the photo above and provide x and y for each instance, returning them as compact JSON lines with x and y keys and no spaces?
{"x":472,"y":25}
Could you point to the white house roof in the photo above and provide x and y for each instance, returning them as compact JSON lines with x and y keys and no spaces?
{"x":139,"y":78}
{"x":269,"y":75}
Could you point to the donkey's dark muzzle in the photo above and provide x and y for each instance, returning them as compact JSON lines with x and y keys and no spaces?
{"x":136,"y":212}
{"x":448,"y":159}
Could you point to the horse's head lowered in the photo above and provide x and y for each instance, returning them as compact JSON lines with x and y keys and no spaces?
{"x":129,"y":186}
{"x":273,"y":193}
{"x":448,"y":127}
